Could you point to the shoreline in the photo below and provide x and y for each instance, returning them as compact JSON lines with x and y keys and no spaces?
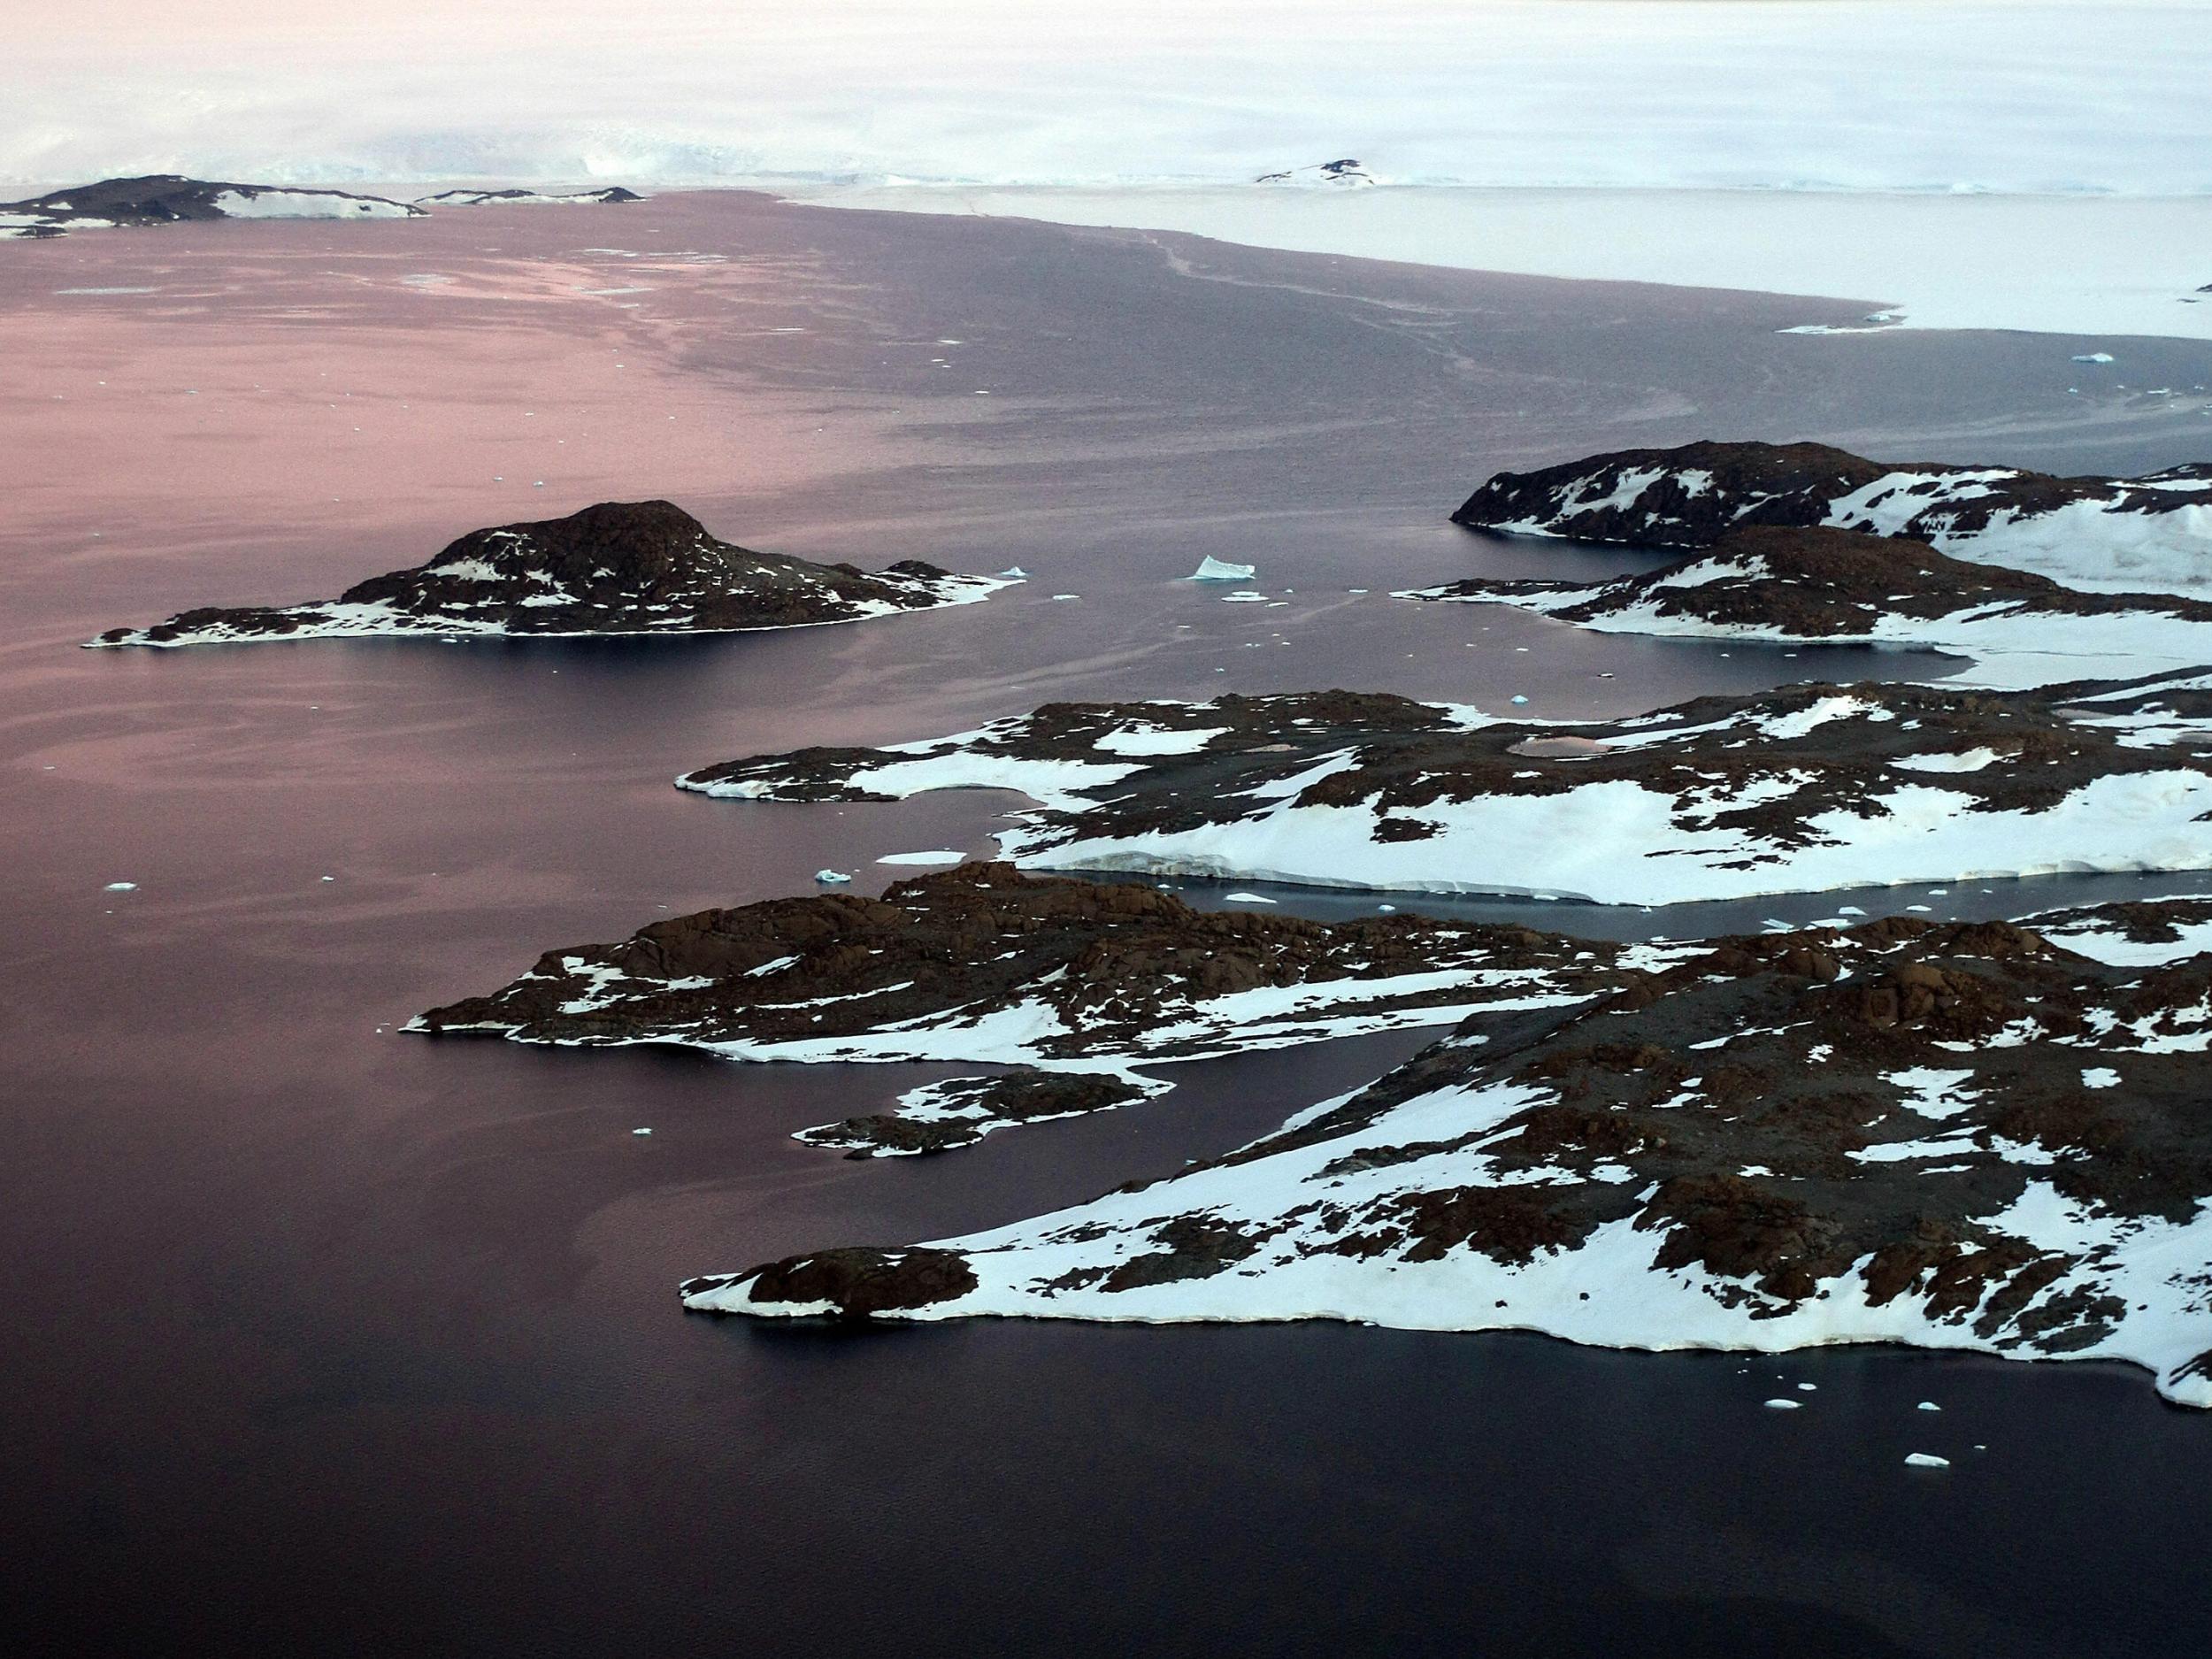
{"x":2131,"y":266}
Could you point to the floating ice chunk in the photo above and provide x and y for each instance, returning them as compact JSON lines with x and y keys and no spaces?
{"x":1925,"y":1460}
{"x":1807,"y":1387}
{"x":1213,"y":570}
{"x":939,"y":856}
{"x":2092,"y":357}
{"x":1518,"y":698}
{"x":2099,"y":1077}
{"x":1244,"y":596}
{"x":1784,"y":1405}
{"x":640,"y":1131}
{"x":1014,"y":573}
{"x":1245,"y":898}
{"x":330,"y":877}
{"x":1929,"y":1405}
{"x":1061,"y":596}
{"x":832,"y":878}
{"x":122,"y":887}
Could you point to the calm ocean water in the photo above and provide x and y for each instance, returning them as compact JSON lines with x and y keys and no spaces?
{"x":323,"y":1338}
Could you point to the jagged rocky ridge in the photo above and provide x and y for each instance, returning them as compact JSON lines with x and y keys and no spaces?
{"x":2099,"y":534}
{"x":1796,"y":790}
{"x":1073,"y":984}
{"x":168,"y":198}
{"x":1953,"y":1136}
{"x":1814,"y":586}
{"x":620,"y":567}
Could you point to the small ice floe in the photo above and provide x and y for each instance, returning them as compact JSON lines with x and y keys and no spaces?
{"x":330,"y":877}
{"x":2092,"y":357}
{"x":2099,"y":1077}
{"x":1925,"y":1460}
{"x":1386,"y":907}
{"x":1058,"y":597}
{"x":122,"y":887}
{"x":1014,"y":573}
{"x":1928,"y":1405}
{"x":1244,"y":596}
{"x":1245,"y":898}
{"x":1560,"y":747}
{"x":832,"y":878}
{"x":1807,"y":1387}
{"x":1784,"y":1405}
{"x":1213,"y":570}
{"x":642,"y":1132}
{"x":1518,"y":698}
{"x":937,"y":855}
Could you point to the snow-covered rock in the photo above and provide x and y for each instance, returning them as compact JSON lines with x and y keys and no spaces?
{"x":610,"y":195}
{"x":620,"y":567}
{"x":1798,"y":586}
{"x":1075,"y":984}
{"x":1738,"y":1152}
{"x":168,"y":198}
{"x":1796,"y":790}
{"x":2098,"y":534}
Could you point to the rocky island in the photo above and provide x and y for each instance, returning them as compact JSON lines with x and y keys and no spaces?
{"x":1797,"y":790}
{"x":612,"y":194}
{"x":169,"y":198}
{"x":1960,"y":1136}
{"x":1802,"y":586}
{"x":2096,"y":534}
{"x":619,"y":567}
{"x":1073,"y":983}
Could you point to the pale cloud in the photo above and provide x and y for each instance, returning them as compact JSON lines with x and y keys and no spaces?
{"x":1851,"y":94}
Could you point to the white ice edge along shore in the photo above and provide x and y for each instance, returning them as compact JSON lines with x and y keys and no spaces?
{"x":1606,"y":1292}
{"x":1613,"y":842}
{"x":1033,"y":1033}
{"x":2108,"y":547}
{"x":2009,"y":646}
{"x":380,"y":620}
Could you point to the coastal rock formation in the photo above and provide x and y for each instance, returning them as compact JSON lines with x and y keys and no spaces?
{"x":167,"y":198}
{"x":2101,"y":534}
{"x":1954,"y":1136}
{"x":612,"y":194}
{"x":1808,"y":586}
{"x":1796,"y":790}
{"x":620,"y":567}
{"x":1075,"y":984}
{"x":960,"y":1111}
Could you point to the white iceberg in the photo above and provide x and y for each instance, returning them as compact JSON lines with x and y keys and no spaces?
{"x":1213,"y":570}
